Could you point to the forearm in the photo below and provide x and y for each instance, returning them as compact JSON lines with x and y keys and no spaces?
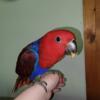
{"x":36,"y":92}
{"x":44,"y":90}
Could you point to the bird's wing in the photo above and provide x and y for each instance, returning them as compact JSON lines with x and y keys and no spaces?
{"x":25,"y":63}
{"x":24,"y":68}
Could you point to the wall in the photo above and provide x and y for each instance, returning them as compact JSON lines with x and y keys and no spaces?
{"x":22,"y":21}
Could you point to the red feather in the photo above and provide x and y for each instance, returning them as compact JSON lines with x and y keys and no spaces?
{"x":52,"y":47}
{"x":24,"y":68}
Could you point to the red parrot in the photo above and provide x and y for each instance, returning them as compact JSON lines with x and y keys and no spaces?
{"x":39,"y":56}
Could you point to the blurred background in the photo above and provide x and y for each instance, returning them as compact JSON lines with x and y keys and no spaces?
{"x":23,"y":21}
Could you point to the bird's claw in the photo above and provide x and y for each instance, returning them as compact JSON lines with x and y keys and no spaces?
{"x":38,"y":78}
{"x":55,"y":72}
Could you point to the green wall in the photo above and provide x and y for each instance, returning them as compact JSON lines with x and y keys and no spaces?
{"x":22,"y":21}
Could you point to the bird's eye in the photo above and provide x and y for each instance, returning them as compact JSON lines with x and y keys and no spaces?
{"x":58,"y":39}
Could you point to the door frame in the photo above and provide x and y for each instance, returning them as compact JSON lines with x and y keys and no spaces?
{"x":89,"y":15}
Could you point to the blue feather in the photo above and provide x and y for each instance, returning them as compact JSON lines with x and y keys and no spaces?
{"x":38,"y":70}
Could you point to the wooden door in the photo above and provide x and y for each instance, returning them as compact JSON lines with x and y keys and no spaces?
{"x":92,"y":47}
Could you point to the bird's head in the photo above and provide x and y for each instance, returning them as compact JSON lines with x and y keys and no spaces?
{"x":55,"y":45}
{"x":65,"y":41}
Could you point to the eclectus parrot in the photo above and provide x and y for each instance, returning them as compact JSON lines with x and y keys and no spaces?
{"x":39,"y":56}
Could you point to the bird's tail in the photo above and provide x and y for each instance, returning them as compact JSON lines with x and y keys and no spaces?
{"x":20,"y":82}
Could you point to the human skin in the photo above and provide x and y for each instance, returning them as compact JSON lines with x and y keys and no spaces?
{"x":37,"y":92}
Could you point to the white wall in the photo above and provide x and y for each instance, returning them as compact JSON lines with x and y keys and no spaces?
{"x":22,"y":21}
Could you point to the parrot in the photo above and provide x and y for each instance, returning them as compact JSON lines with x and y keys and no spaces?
{"x":39,"y":56}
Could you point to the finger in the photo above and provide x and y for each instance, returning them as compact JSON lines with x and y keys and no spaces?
{"x":62,"y":79}
{"x":61,"y":85}
{"x":57,"y":90}
{"x":61,"y":82}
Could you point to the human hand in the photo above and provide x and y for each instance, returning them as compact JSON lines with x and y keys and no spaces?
{"x":55,"y":80}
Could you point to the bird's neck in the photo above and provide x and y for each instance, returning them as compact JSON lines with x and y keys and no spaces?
{"x":47,"y":58}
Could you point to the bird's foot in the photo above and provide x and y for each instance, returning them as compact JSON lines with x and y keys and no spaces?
{"x":63,"y":79}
